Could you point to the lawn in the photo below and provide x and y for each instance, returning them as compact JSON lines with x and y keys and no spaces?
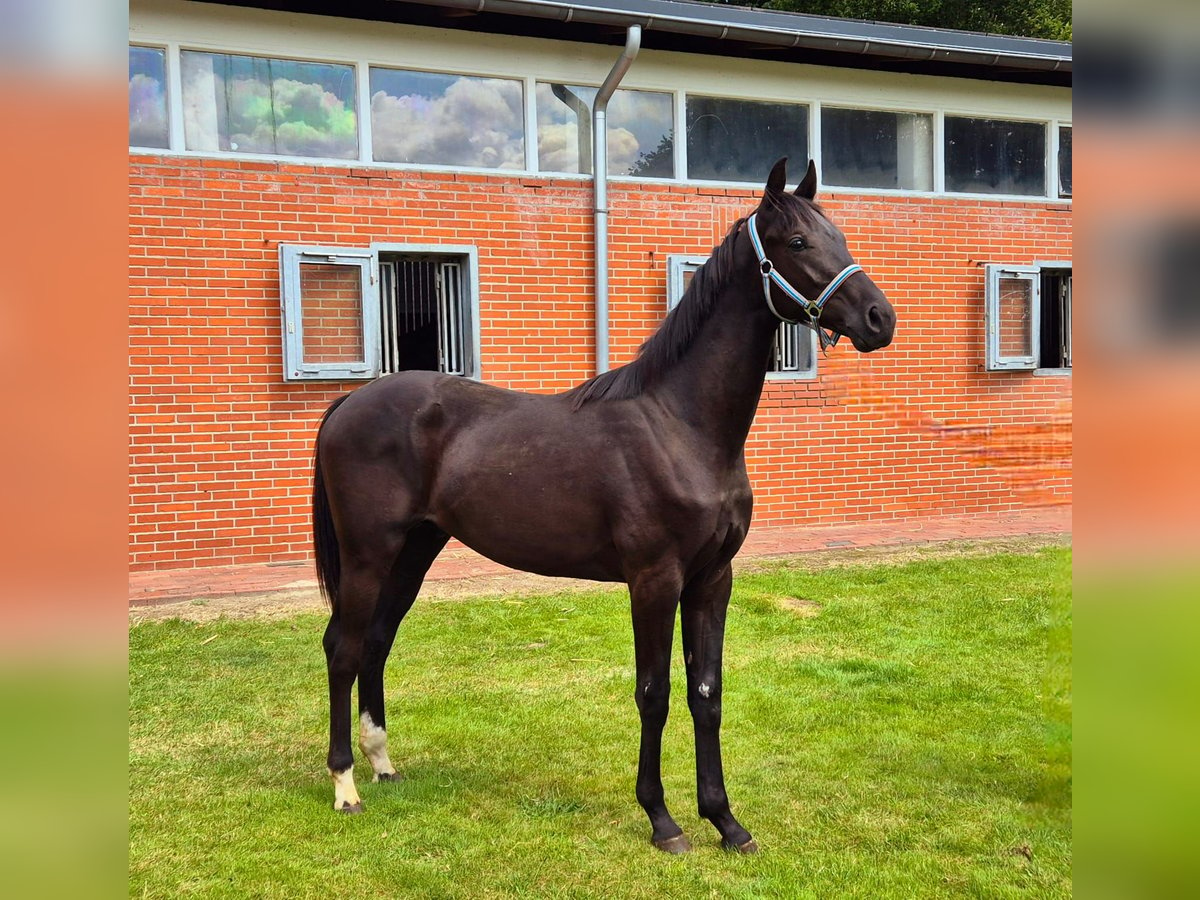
{"x":890,"y":731}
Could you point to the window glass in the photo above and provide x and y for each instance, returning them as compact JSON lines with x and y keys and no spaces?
{"x":739,"y":140}
{"x":989,"y":156}
{"x":147,"y":97}
{"x":450,"y":120}
{"x":877,"y":149}
{"x":251,"y":104}
{"x":640,"y":132}
{"x":1064,"y":161}
{"x":1015,"y":306}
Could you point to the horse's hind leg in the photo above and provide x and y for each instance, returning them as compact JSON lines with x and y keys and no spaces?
{"x":362,"y":578}
{"x":421,"y":546}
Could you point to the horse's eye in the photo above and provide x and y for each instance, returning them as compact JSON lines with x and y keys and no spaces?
{"x":798,"y":244}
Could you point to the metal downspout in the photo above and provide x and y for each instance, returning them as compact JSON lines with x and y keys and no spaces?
{"x":633,"y":42}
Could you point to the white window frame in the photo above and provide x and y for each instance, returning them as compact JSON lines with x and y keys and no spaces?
{"x":679,"y":264}
{"x":995,"y":360}
{"x":465,"y":313}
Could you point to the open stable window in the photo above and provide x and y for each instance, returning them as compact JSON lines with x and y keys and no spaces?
{"x":354,"y":314}
{"x":330,"y":327}
{"x":1028,"y":317}
{"x":422,"y":314}
{"x":794,"y":353}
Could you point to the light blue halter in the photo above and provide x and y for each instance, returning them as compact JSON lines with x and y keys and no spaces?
{"x":811,"y":307}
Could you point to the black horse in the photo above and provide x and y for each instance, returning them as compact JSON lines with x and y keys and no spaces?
{"x":637,"y":475}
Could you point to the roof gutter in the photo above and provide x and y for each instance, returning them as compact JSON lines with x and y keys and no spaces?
{"x":633,"y":42}
{"x":792,"y":30}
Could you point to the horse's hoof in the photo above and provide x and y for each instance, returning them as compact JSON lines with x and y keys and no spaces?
{"x":748,"y":847}
{"x":388,"y":776}
{"x":675,"y":845}
{"x":351,"y":809}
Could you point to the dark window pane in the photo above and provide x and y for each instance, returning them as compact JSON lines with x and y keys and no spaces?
{"x":739,"y":140}
{"x":147,"y":97}
{"x":251,"y":104}
{"x":988,"y":156}
{"x":1064,"y":162}
{"x":875,"y":149}
{"x":449,"y":120}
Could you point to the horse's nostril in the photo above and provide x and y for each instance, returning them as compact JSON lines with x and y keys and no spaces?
{"x":874,"y":319}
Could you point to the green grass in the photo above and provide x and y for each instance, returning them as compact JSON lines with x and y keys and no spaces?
{"x":910,"y":739}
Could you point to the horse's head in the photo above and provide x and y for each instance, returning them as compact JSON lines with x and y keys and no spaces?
{"x":811,"y":275}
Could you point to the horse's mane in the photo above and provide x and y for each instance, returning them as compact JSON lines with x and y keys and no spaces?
{"x":663,"y":349}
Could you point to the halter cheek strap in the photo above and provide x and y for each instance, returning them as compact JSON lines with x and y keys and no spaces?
{"x":812,"y":308}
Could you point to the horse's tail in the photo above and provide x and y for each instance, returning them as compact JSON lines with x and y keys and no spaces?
{"x":325,"y":542}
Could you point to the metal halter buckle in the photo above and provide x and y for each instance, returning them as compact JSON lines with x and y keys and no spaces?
{"x":812,"y":308}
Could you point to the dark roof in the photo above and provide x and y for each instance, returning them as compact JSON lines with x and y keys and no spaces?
{"x":724,"y":30}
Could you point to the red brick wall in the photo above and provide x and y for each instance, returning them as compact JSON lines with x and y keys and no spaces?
{"x":331,"y":305}
{"x":221,"y":446}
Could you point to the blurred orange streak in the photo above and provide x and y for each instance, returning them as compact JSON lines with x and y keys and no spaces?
{"x":63,"y":359}
{"x":1027,"y":456}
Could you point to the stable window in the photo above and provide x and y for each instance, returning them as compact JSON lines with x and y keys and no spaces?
{"x":993,"y":156}
{"x":353,"y":314}
{"x":148,"y":97}
{"x":739,"y":140}
{"x":794,"y":351}
{"x":641,"y":141}
{"x":429,"y":118}
{"x":1028,"y":317}
{"x":876,"y":149}
{"x":1064,"y":161}
{"x":255,"y":104}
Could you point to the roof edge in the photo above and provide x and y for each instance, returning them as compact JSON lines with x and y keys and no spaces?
{"x":792,"y":30}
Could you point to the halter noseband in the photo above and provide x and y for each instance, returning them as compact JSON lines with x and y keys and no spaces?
{"x":812,"y":308}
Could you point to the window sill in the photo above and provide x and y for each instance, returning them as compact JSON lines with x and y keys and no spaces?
{"x":791,"y":376}
{"x":1052,"y":372}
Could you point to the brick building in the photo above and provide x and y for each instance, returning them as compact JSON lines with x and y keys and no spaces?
{"x":321,"y":193}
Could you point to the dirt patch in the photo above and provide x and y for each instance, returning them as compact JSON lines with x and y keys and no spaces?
{"x":283,"y":603}
{"x":801,"y":606}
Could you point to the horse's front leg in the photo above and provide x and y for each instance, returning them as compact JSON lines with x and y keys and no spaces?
{"x":703,"y":607}
{"x":654,"y":597}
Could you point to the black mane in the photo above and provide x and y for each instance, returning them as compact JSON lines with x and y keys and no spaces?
{"x":663,"y":349}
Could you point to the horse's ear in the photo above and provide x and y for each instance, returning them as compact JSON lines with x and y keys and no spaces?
{"x":777,"y":179}
{"x":807,"y":188}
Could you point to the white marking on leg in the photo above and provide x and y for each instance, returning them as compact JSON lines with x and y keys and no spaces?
{"x":704,"y":690}
{"x":373,"y":741}
{"x":344,"y":792}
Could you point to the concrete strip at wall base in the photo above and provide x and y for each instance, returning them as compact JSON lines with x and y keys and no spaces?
{"x":458,"y":562}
